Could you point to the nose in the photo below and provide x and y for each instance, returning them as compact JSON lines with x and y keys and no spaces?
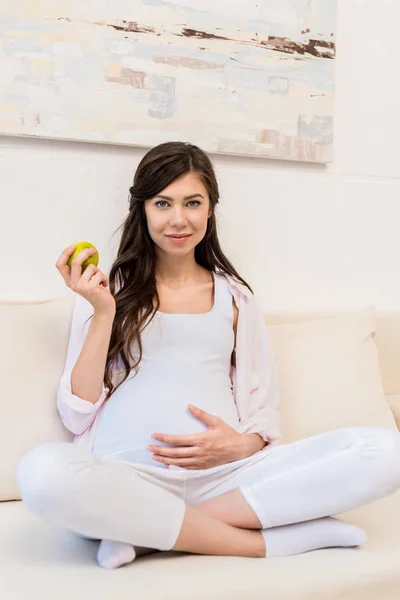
{"x":178,"y":218}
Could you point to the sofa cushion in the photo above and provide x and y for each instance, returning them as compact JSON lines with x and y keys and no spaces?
{"x":35,"y":335}
{"x":387,"y":339}
{"x":39,"y":560}
{"x":388,"y":343}
{"x":33,"y":346}
{"x":394,"y":402}
{"x":329,"y":374}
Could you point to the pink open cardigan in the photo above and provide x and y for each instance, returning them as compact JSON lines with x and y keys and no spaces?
{"x":254,"y":379}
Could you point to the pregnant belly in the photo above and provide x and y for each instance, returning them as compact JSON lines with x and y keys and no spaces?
{"x":138,"y":409}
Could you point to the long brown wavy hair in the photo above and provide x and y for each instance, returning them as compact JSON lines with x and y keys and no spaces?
{"x":132,"y":277}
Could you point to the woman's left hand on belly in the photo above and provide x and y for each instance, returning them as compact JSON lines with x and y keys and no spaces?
{"x":218,"y":445}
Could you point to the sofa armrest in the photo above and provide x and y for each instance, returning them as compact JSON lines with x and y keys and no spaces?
{"x":394,"y":403}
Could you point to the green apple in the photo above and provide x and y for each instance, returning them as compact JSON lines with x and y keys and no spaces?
{"x":92,"y":260}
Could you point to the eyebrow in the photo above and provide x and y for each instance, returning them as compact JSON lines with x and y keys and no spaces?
{"x":185,"y":198}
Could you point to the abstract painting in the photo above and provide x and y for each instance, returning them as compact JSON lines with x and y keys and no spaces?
{"x":251,"y":78}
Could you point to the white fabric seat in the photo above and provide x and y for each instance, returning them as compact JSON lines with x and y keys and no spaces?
{"x":39,"y":560}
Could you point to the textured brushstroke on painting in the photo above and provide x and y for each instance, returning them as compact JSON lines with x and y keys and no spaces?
{"x":128,"y":77}
{"x":253,"y":78}
{"x":202,"y":35}
{"x":319,"y":48}
{"x":286,"y":146}
{"x":183,"y":61}
{"x":129,"y":26}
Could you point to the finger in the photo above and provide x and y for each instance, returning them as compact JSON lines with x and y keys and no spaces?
{"x":89,"y":272}
{"x":62,"y":266}
{"x":64,"y":256}
{"x":188,"y":452}
{"x":191,"y":439}
{"x":179,"y":462}
{"x":93,"y":277}
{"x":98,"y":278}
{"x":202,"y":415}
{"x":76,"y":265}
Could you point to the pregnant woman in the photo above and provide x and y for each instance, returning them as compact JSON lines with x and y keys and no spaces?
{"x":170,"y":387}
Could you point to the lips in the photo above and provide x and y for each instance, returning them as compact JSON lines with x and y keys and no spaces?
{"x":179,"y":236}
{"x":178,"y":239}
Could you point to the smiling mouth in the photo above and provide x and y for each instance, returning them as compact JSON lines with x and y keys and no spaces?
{"x":178,"y":237}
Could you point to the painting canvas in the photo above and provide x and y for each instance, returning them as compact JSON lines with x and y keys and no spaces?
{"x":253,"y":78}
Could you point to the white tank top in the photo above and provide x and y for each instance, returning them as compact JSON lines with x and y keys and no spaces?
{"x":186,"y":360}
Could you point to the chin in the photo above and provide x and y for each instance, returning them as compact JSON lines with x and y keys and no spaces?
{"x":175,"y":249}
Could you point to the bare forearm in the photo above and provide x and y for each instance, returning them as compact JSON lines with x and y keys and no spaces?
{"x":252,"y":443}
{"x":88,"y":373}
{"x":243,"y":445}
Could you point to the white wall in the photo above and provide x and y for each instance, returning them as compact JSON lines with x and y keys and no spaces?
{"x":304,"y":237}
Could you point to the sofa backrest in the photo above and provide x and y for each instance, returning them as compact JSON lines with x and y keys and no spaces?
{"x":387,"y":340}
{"x":33,"y":345}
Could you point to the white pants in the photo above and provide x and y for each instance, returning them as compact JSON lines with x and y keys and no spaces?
{"x":143,"y":505}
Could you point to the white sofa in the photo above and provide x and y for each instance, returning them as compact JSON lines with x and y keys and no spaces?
{"x":38,"y":560}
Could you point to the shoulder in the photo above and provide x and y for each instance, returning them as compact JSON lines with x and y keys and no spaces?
{"x":249,"y":309}
{"x":238,"y":290}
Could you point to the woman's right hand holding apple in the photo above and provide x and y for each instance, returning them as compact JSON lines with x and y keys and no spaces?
{"x":92,"y":284}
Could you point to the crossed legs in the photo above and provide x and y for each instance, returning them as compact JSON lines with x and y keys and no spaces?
{"x":291,"y":484}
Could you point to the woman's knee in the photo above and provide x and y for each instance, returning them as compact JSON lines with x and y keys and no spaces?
{"x":382,"y":445}
{"x":378,"y":440}
{"x":42,"y":473}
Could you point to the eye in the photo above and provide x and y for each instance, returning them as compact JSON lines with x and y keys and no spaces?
{"x":161,"y":202}
{"x":195,"y":202}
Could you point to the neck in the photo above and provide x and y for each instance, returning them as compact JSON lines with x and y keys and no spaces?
{"x":177,"y":270}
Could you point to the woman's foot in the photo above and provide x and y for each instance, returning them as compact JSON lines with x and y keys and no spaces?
{"x":311,"y":535}
{"x":112,"y":555}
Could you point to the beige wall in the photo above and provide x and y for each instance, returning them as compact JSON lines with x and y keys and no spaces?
{"x":305,"y":237}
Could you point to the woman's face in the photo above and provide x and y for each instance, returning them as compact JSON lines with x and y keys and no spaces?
{"x":177,"y":216}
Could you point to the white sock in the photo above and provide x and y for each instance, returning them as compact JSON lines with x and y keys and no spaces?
{"x":112,"y":555}
{"x":311,"y":535}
